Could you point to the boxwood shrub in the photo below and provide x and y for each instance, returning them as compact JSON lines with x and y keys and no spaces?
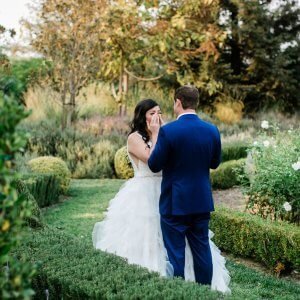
{"x":52,"y":165}
{"x":71,"y":269}
{"x":276,"y":244}
{"x":227,"y":174}
{"x":45,"y":188}
{"x":35,"y":219}
{"x":234,"y":150}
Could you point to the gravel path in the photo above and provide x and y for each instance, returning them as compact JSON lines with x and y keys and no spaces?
{"x":231,"y":198}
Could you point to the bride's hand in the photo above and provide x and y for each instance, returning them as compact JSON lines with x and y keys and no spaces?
{"x":154,"y":125}
{"x":161,"y":121}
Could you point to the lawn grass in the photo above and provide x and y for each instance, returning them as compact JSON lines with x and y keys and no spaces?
{"x":86,"y":205}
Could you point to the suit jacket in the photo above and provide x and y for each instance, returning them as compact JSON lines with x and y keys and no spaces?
{"x":185,"y":151}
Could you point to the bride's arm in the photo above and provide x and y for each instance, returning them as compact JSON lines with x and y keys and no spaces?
{"x":138,"y":148}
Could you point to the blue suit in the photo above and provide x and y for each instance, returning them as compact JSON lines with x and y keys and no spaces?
{"x":185,"y":151}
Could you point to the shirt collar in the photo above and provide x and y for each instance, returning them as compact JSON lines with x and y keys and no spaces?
{"x":188,"y":113}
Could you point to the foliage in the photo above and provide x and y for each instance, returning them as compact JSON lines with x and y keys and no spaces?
{"x":15,"y":277}
{"x":229,"y":112}
{"x":95,"y":161}
{"x":17,"y":78}
{"x":35,"y":219}
{"x":45,"y":188}
{"x":234,"y":150}
{"x":88,"y":149}
{"x":52,"y":165}
{"x":123,"y":165}
{"x":260,"y":58}
{"x":227,"y":174}
{"x":274,"y":177}
{"x":276,"y":244}
{"x":68,"y":34}
{"x":92,"y":274}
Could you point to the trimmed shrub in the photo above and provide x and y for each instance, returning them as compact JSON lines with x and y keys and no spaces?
{"x":275,"y":244}
{"x":45,"y":188}
{"x":234,"y":150}
{"x":123,"y":165}
{"x":227,"y":174}
{"x":35,"y":219}
{"x":52,"y":165}
{"x":70,"y":269}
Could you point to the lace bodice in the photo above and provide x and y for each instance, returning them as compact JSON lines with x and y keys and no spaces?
{"x":142,"y":169}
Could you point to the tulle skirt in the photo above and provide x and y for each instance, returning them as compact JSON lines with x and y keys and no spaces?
{"x":131,"y":229}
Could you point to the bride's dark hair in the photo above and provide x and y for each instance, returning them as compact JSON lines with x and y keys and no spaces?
{"x":139,"y":120}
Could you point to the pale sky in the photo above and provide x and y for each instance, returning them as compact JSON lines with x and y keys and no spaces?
{"x":11,"y":12}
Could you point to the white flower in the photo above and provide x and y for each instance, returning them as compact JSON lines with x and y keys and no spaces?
{"x":266,"y":143}
{"x":264,"y":124}
{"x":255,"y":143}
{"x":296,"y":166}
{"x":287,"y":206}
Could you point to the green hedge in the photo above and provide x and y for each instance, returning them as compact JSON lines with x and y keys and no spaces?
{"x":35,"y":220}
{"x":52,"y":165}
{"x":226,"y":176}
{"x":234,"y":151}
{"x":271,"y":243}
{"x":71,"y":269}
{"x":45,"y":188}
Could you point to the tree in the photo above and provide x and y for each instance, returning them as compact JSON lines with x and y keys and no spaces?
{"x":260,"y":54}
{"x":68,"y":33}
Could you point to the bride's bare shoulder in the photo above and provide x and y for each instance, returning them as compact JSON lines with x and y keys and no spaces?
{"x":134,"y":137}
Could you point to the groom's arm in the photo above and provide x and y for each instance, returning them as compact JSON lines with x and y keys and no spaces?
{"x":216,"y":158}
{"x":159,"y":155}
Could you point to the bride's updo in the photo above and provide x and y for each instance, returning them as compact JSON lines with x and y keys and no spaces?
{"x":139,"y":120}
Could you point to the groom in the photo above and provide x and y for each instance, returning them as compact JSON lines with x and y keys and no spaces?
{"x":185,"y":150}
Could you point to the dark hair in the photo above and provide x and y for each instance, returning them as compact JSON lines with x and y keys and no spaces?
{"x":139,"y":120}
{"x":188,"y":95}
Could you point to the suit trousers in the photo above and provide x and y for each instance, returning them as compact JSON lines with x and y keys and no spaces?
{"x":195,"y":228}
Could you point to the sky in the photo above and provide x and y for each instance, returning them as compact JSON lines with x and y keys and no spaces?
{"x":11,"y":12}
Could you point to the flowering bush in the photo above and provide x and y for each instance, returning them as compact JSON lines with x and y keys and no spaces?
{"x":273,"y":167}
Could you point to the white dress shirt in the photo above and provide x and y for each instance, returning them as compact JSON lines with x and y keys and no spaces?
{"x":188,"y":113}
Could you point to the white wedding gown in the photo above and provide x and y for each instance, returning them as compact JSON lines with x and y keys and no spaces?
{"x":131,"y":229}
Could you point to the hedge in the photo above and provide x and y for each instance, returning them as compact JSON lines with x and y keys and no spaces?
{"x":226,"y":175}
{"x":71,"y":269}
{"x":45,"y":188}
{"x":52,"y":165}
{"x":234,"y":151}
{"x":35,"y":220}
{"x":276,"y":244}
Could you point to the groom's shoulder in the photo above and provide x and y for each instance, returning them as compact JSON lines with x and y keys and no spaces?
{"x":170,"y":125}
{"x":212,"y":129}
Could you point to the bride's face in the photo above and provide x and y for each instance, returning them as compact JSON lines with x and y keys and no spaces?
{"x":151,"y":112}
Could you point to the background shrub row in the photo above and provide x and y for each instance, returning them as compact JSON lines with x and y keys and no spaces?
{"x":276,"y":244}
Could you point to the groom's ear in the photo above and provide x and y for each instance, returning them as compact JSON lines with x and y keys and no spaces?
{"x":178,"y":101}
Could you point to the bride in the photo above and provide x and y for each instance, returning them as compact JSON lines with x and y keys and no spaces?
{"x":131,"y":228}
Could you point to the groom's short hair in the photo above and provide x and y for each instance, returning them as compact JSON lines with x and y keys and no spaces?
{"x":188,"y":95}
